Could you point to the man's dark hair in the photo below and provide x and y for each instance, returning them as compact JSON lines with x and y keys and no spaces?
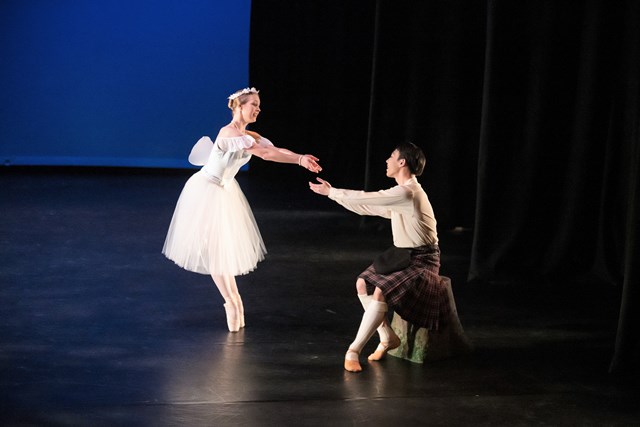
{"x":413,"y":155}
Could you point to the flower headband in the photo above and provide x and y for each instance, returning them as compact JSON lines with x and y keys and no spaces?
{"x":244,"y":91}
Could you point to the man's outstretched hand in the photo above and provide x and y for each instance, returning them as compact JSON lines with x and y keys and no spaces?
{"x":322,"y":188}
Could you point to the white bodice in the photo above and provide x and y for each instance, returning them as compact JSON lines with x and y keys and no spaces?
{"x":222,"y":159}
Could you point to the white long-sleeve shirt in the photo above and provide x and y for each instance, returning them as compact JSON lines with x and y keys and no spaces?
{"x":413,"y":223}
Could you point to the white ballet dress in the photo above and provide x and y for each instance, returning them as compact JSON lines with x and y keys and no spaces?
{"x":213,"y":230}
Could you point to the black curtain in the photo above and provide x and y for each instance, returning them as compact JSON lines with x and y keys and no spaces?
{"x":427,"y":89}
{"x":314,"y":62}
{"x":311,"y":61}
{"x":558,"y":149}
{"x":548,"y":160}
{"x":527,"y":111}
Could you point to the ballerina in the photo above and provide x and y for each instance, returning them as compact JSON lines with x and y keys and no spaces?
{"x":213,"y":230}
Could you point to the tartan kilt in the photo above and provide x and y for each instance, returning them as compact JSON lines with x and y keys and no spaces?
{"x":415,"y":293}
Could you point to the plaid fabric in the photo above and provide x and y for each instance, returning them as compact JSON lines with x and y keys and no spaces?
{"x":415,"y":293}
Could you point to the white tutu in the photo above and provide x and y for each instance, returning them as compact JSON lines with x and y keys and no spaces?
{"x":213,"y":230}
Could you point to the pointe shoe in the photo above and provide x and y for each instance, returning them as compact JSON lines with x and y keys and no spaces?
{"x":351,"y":362}
{"x":384,"y":347}
{"x":241,"y":324}
{"x":241,"y":312}
{"x":233,"y":322}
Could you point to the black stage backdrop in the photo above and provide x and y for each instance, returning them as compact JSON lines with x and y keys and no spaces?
{"x":528,"y":112}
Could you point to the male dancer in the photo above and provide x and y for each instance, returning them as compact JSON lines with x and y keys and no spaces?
{"x":406,"y":277}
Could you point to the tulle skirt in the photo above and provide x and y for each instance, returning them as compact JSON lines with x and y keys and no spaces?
{"x":213,"y":230}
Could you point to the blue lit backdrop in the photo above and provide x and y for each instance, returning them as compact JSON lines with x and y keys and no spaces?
{"x":117,"y":82}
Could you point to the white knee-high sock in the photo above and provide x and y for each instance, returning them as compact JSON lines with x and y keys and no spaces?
{"x":365,"y":299}
{"x":371,"y":319}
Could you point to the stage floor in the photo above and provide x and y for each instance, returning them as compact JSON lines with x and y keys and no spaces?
{"x":98,"y":328}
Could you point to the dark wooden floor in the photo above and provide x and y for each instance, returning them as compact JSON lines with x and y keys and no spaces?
{"x":98,"y":328}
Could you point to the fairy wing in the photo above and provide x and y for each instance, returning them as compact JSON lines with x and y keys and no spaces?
{"x":200,"y":152}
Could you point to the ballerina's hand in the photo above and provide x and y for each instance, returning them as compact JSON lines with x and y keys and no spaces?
{"x":310,"y":162}
{"x":322,"y":188}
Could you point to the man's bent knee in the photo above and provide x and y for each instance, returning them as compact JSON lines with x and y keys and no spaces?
{"x":378,"y":295}
{"x":361,"y":286}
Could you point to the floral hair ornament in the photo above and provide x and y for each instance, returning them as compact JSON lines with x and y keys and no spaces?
{"x":244,"y":91}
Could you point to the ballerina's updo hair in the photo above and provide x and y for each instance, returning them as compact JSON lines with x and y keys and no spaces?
{"x":240,"y":97}
{"x":413,"y":155}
